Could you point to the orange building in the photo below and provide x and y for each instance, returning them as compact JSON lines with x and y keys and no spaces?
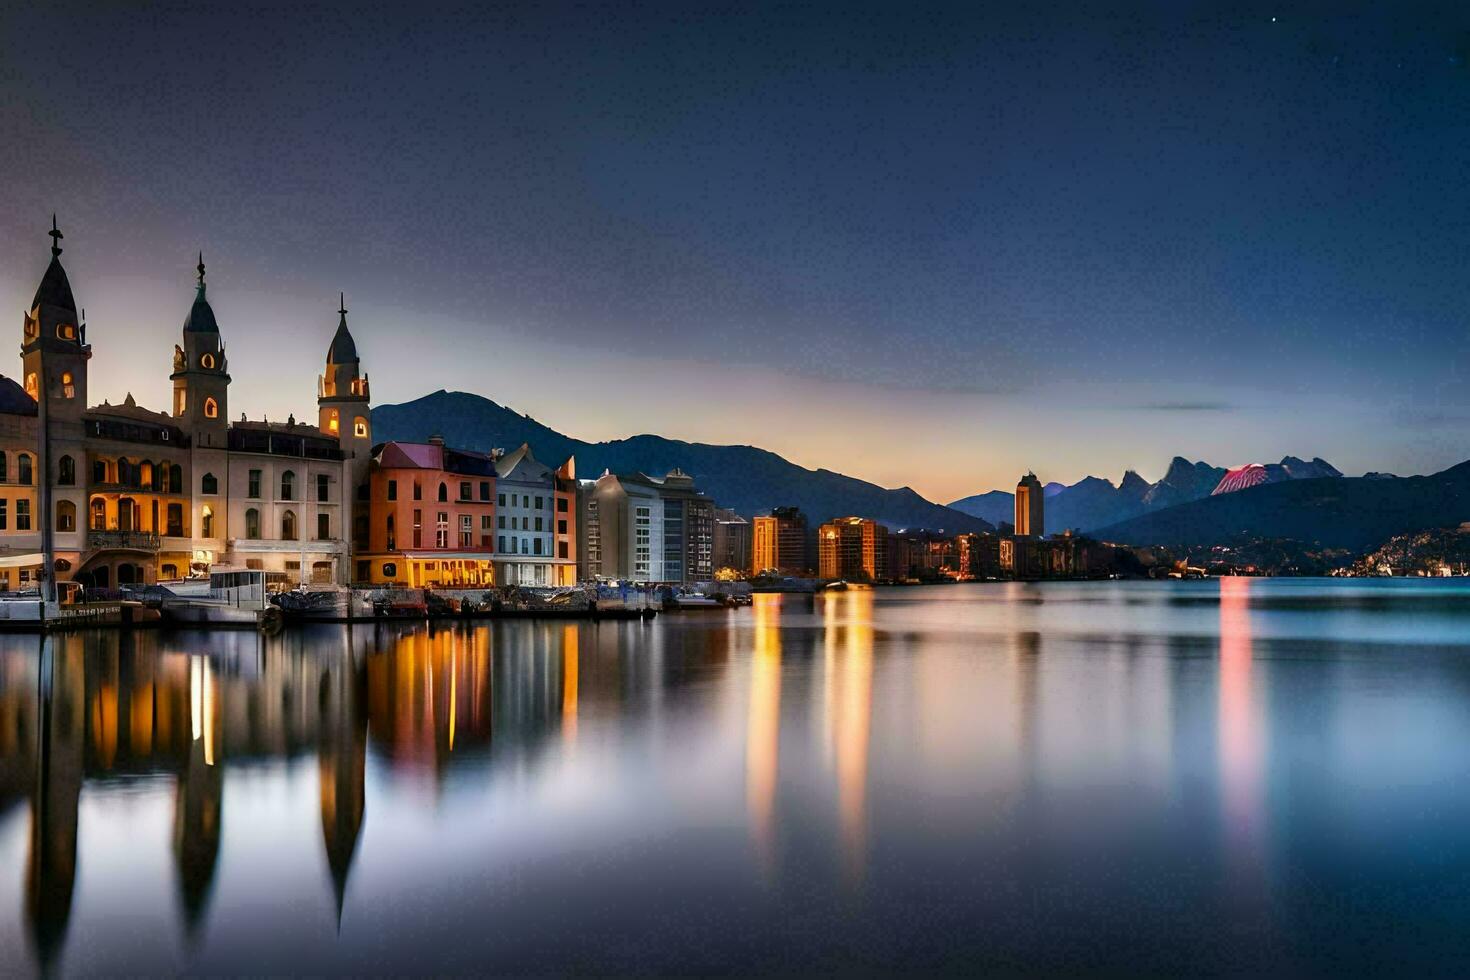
{"x":431,"y":516}
{"x":853,"y":548}
{"x":778,"y":543}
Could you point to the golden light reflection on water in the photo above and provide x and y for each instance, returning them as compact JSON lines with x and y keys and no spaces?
{"x":763,"y":726}
{"x":1241,"y":745}
{"x":848,"y":695}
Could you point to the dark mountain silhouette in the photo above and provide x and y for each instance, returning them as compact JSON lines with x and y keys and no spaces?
{"x":1356,"y":513}
{"x":743,"y":478}
{"x":1093,"y":502}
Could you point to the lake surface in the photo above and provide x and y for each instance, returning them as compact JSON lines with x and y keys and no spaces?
{"x":1214,"y":777}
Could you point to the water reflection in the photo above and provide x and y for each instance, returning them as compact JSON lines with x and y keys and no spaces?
{"x":849,"y":782}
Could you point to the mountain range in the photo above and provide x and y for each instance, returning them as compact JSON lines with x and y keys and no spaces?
{"x":745,"y":479}
{"x":1356,"y":513}
{"x":1093,"y":502}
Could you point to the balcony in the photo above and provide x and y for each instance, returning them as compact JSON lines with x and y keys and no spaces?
{"x":128,"y":540}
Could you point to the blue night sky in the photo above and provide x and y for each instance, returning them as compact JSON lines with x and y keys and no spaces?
{"x":927,"y":246}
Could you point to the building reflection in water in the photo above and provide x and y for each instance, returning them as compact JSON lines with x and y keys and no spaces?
{"x":342,"y":763}
{"x":1239,"y":733}
{"x":848,"y":649}
{"x":763,"y":726}
{"x":198,"y":800}
{"x":570,"y":652}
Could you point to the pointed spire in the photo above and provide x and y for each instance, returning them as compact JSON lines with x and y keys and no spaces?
{"x":342,"y":309}
{"x":200,"y":267}
{"x":56,"y":236}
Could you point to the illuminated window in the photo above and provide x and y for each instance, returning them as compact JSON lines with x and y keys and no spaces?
{"x":332,"y":423}
{"x":66,"y":331}
{"x":211,"y":408}
{"x":359,"y":427}
{"x":288,"y":526}
{"x":31,"y":388}
{"x":67,"y":388}
{"x":206,"y":521}
{"x":207,"y":360}
{"x":66,"y":515}
{"x":389,"y":569}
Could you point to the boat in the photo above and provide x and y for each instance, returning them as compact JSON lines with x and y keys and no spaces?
{"x":236,"y":597}
{"x":690,"y":600}
{"x":324,"y":604}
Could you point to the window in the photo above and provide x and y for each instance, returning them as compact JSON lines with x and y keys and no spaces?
{"x":66,"y":470}
{"x":485,"y":524}
{"x":288,"y":526}
{"x":332,"y":423}
{"x":66,"y":331}
{"x":561,"y":527}
{"x":538,"y":503}
{"x":500,"y":500}
{"x":536,"y":545}
{"x":22,"y":515}
{"x":501,"y":520}
{"x":175,"y":520}
{"x":23,"y":465}
{"x":561,"y":505}
{"x":4,"y":517}
{"x":206,"y":521}
{"x":254,"y":492}
{"x":561,"y":550}
{"x":389,"y":569}
{"x":288,"y":485}
{"x":252,"y":524}
{"x":538,"y":524}
{"x":323,"y":527}
{"x":176,"y":479}
{"x":68,"y":387}
{"x":466,"y":531}
{"x":392,"y":536}
{"x":323,"y":488}
{"x":485,"y":490}
{"x":66,"y":515}
{"x":418,"y":490}
{"x":359,"y":427}
{"x":211,"y":408}
{"x":99,"y":514}
{"x":499,"y":542}
{"x":31,"y":388}
{"x":392,"y":489}
{"x":4,"y":474}
{"x":443,"y":492}
{"x":441,"y":529}
{"x":418,"y":528}
{"x":209,"y":484}
{"x":207,"y":360}
{"x":464,"y":490}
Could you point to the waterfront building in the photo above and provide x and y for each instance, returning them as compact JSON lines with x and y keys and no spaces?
{"x":921,"y":554}
{"x":535,"y":533}
{"x":779,"y":543}
{"x":853,"y":548}
{"x":1030,"y":507}
{"x":121,"y":495}
{"x":431,"y":517}
{"x":979,"y":556}
{"x":731,"y":543}
{"x":646,"y":529}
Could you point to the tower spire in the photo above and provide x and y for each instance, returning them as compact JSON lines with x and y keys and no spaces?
{"x":56,"y":236}
{"x":200,"y":267}
{"x":342,"y":306}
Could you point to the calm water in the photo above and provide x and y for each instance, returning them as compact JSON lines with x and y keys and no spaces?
{"x":1143,"y":777}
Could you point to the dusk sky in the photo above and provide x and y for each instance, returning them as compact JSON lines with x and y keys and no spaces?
{"x":923,"y":247}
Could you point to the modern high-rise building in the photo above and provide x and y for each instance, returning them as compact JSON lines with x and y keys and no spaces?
{"x":779,"y":543}
{"x":646,"y":529}
{"x":1030,"y":508}
{"x":853,"y":548}
{"x":732,"y":541}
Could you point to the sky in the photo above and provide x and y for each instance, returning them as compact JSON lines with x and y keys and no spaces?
{"x":928,"y":246}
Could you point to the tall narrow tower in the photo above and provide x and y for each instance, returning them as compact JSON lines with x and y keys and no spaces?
{"x":201,"y":377}
{"x":343,"y":411}
{"x":1030,"y":508}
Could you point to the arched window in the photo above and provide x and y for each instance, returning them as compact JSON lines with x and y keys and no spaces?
{"x":66,"y":515}
{"x":66,"y":471}
{"x":61,"y":565}
{"x":99,"y":471}
{"x":209,"y":485}
{"x":288,"y":485}
{"x":175,"y":520}
{"x":176,"y":479}
{"x":68,"y":388}
{"x":288,"y":526}
{"x":208,"y":362}
{"x":252,"y":524}
{"x":359,"y":427}
{"x":332,"y":422}
{"x":99,"y":514}
{"x":206,"y":521}
{"x":145,"y":475}
{"x":443,"y":492}
{"x":23,"y":465}
{"x":211,"y":408}
{"x":125,"y":472}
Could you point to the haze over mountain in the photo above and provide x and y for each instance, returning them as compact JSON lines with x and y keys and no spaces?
{"x":1357,"y":513}
{"x":745,"y":479}
{"x":1093,"y":502}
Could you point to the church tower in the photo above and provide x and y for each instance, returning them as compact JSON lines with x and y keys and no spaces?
{"x":201,"y":377}
{"x":54,"y":350}
{"x":343,"y":412}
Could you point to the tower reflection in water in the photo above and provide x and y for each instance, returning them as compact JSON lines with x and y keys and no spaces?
{"x":107,"y":711}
